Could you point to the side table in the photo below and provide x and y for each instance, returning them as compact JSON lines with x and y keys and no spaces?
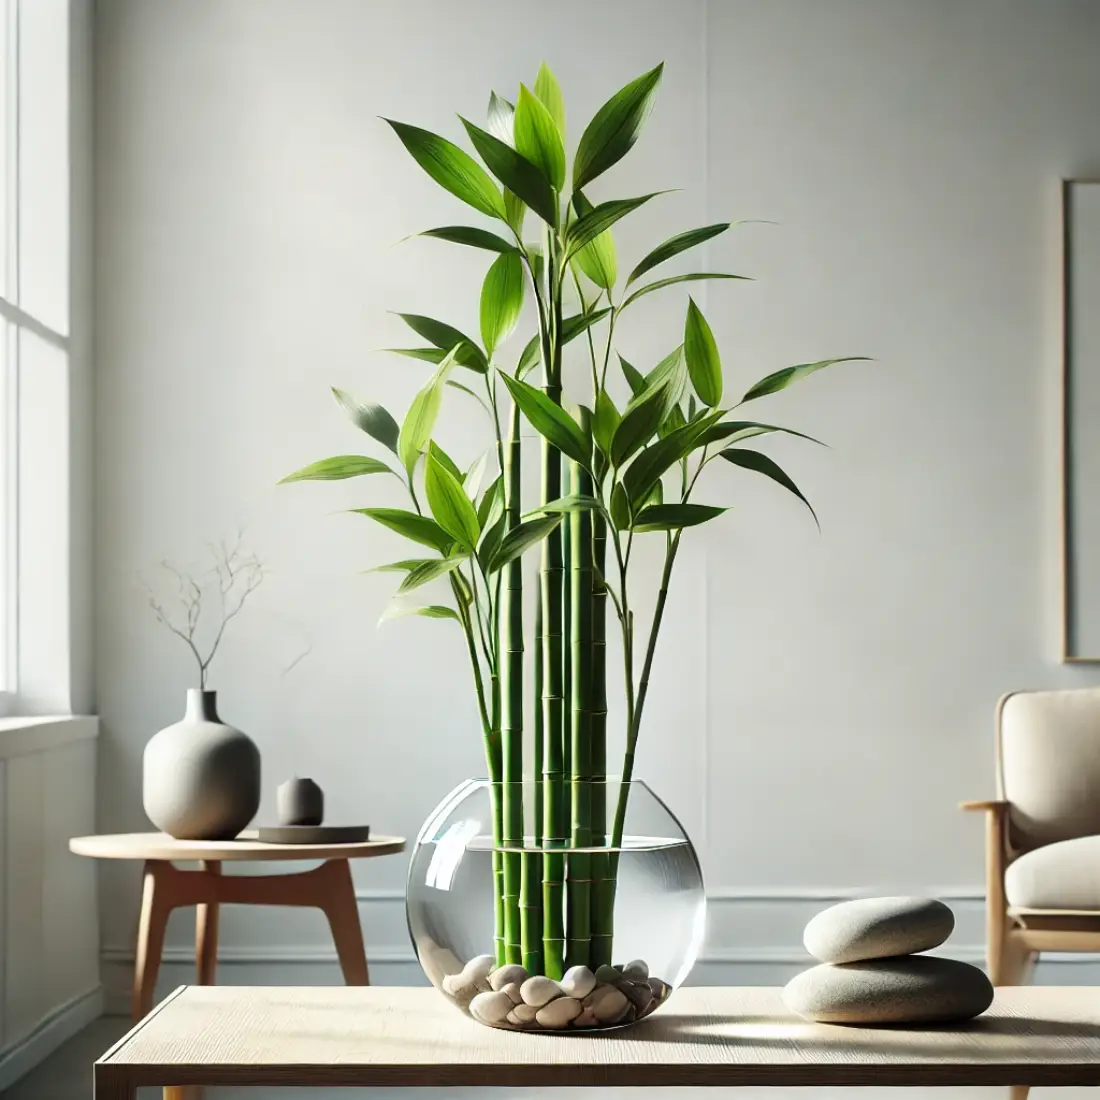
{"x":327,"y":887}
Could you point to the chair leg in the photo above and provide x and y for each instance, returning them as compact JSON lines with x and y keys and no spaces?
{"x":206,"y":933}
{"x":1018,"y":1092}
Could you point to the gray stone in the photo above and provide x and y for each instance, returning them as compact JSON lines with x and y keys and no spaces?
{"x":917,"y":989}
{"x":877,"y":928}
{"x":491,"y":1008}
{"x":299,"y":801}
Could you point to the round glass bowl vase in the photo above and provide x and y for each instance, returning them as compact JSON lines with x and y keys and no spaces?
{"x":583,"y":934}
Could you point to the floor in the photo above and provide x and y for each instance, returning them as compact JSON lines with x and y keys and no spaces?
{"x":66,"y":1075}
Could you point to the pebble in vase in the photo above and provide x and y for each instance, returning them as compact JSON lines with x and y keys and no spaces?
{"x":201,"y":777}
{"x":299,"y":801}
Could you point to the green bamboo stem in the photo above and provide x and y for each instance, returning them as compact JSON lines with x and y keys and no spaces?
{"x":567,"y":488}
{"x":510,"y":648}
{"x":579,"y":927}
{"x":555,"y":834}
{"x":603,"y":893}
{"x":531,"y":914}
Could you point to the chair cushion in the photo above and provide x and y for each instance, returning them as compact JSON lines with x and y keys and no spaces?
{"x":1065,"y":875}
{"x":1050,"y":764}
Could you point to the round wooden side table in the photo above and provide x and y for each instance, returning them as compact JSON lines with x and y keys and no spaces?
{"x":327,"y":887}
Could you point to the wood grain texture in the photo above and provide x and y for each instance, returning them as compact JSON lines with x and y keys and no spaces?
{"x":160,"y":846}
{"x":366,"y":1036}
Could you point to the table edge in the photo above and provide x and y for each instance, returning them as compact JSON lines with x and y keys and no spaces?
{"x":273,"y":853}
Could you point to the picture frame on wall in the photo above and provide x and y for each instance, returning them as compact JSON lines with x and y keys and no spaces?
{"x":1081,"y":420}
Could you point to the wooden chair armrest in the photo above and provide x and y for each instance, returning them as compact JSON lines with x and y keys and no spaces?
{"x":992,"y":805}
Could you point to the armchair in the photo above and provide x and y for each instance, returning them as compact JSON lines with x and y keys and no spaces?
{"x":1042,"y":835}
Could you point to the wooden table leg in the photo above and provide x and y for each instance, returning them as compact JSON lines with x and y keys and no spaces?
{"x":338,"y":902}
{"x":155,"y":907}
{"x":206,"y":932}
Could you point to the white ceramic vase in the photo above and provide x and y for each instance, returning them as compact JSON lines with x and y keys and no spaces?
{"x":201,"y":778}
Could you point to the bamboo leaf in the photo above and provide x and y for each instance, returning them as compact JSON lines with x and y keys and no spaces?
{"x":599,"y":219}
{"x":551,"y":421}
{"x":428,"y":355}
{"x":447,"y":338}
{"x":469,"y":236}
{"x":620,"y":507}
{"x":501,"y":300}
{"x":538,"y":137}
{"x":369,"y":418}
{"x":452,"y":168}
{"x":597,"y":258}
{"x":337,"y":469}
{"x":432,"y":611}
{"x":605,"y":420}
{"x":420,"y":529}
{"x":520,"y":538}
{"x":501,"y":118}
{"x":672,"y":422}
{"x":515,"y":210}
{"x":419,"y":422}
{"x":492,"y":504}
{"x":674,"y":246}
{"x":648,"y":409}
{"x":735,"y":431}
{"x":466,"y":390}
{"x":516,"y":172}
{"x":490,"y":540}
{"x":781,"y":379}
{"x":575,"y":502}
{"x":449,"y":463}
{"x":571,"y":328}
{"x":761,"y":464}
{"x":671,"y":517}
{"x":614,"y":128}
{"x":471,"y":480}
{"x":691,"y":277}
{"x":448,"y":501}
{"x":701,"y":354}
{"x":634,"y":377}
{"x":428,"y":571}
{"x":548,"y":90}
{"x":655,"y":460}
{"x":403,"y":566}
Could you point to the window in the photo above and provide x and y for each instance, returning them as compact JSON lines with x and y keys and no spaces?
{"x":35,"y":407}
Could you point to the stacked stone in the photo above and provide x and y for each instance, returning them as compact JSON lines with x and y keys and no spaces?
{"x":506,"y":996}
{"x":871,"y":971}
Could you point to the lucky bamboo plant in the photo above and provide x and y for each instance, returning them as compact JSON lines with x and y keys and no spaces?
{"x":609,"y":476}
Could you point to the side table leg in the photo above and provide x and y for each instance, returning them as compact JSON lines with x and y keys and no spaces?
{"x":155,"y":907}
{"x":339,"y":905}
{"x":206,"y":932}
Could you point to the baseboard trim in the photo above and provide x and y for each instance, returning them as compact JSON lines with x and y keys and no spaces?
{"x":58,"y":1027}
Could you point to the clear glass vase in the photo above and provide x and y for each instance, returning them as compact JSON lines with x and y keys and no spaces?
{"x":592,"y":931}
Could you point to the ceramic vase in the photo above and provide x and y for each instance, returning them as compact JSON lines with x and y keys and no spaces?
{"x":201,"y":777}
{"x":299,"y":801}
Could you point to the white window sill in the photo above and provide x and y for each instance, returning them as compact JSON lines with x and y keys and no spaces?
{"x":23,"y":736}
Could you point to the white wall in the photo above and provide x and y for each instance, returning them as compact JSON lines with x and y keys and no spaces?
{"x":823,"y":701}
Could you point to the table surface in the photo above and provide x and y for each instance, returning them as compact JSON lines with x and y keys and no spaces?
{"x":703,"y":1036}
{"x":245,"y":847}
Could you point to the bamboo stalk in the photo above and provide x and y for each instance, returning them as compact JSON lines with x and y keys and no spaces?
{"x":603,"y":894}
{"x":531,"y":916}
{"x":510,"y":648}
{"x":567,"y":487}
{"x":555,"y":835}
{"x":579,"y":928}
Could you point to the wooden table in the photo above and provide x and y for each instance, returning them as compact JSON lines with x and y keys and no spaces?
{"x":166,"y":887}
{"x":704,"y":1036}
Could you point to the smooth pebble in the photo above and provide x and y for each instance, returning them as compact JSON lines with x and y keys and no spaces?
{"x":491,"y":1008}
{"x":610,"y":1006}
{"x":636,"y":970}
{"x":585,"y":1019}
{"x":660,"y":990}
{"x":578,"y":981}
{"x":607,"y":975}
{"x":639,"y":994}
{"x":915,"y":989}
{"x":524,"y":1013}
{"x":877,"y":928}
{"x":512,"y":974}
{"x":558,"y":1013}
{"x":478,"y":968}
{"x":538,"y":991}
{"x":514,"y":993}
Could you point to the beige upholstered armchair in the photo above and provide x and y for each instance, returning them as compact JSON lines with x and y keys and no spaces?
{"x":1043,"y":831}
